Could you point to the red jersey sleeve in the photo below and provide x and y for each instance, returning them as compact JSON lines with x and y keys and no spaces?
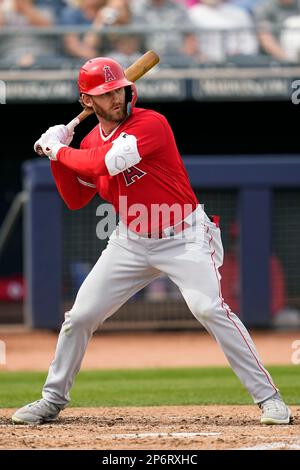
{"x":89,"y":162}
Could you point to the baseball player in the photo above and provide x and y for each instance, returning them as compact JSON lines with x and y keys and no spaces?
{"x":132,"y":155}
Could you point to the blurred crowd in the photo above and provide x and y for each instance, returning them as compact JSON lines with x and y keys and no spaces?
{"x":183,"y":32}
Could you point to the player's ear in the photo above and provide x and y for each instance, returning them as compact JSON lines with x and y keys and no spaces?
{"x":86,"y":100}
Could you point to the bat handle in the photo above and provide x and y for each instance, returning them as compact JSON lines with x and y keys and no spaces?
{"x":70,"y":126}
{"x":39,"y":150}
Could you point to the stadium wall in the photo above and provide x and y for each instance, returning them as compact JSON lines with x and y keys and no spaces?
{"x":254,"y":178}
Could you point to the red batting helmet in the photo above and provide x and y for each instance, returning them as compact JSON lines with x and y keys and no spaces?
{"x":101,"y":75}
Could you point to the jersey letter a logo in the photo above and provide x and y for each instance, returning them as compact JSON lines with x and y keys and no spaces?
{"x":108,"y":74}
{"x":132,"y":174}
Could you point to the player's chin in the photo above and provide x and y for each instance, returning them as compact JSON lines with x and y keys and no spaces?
{"x":118,"y":114}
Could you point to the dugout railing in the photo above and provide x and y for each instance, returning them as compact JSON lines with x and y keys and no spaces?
{"x":259,"y":193}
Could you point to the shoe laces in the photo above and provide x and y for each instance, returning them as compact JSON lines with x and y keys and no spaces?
{"x":272,"y":404}
{"x":40,"y":403}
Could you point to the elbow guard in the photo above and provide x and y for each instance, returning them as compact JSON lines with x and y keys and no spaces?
{"x":122,"y":155}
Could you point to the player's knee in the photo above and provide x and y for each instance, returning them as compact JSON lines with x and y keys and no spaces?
{"x":204,"y":313}
{"x":81,"y":318}
{"x":202,"y":308}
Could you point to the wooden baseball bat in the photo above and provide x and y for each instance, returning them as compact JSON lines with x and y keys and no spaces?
{"x":139,"y":68}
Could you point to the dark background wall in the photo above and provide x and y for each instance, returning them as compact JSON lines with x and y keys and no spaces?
{"x":200,"y":128}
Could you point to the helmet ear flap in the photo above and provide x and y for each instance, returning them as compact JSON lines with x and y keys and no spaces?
{"x":130,"y":97}
{"x":128,"y":94}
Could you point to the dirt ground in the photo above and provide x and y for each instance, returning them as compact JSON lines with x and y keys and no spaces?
{"x":28,"y":350}
{"x":174,"y":427}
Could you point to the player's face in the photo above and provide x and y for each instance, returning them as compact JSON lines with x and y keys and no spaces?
{"x":111,"y":106}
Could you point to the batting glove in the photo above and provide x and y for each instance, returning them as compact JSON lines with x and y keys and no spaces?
{"x":50,"y":145}
{"x":53,"y":139}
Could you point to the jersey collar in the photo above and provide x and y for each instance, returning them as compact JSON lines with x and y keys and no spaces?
{"x":105,"y":138}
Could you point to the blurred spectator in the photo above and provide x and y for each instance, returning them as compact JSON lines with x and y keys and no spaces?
{"x":174,"y":47}
{"x":138,"y":6}
{"x":79,"y":45}
{"x":54,"y":6}
{"x":95,"y":13}
{"x":230,"y":272}
{"x":270,"y":16}
{"x":290,"y":38}
{"x":126,"y":49}
{"x":25,"y":49}
{"x":187,"y":3}
{"x":114,"y":13}
{"x":222,"y":41}
{"x":190,"y":3}
{"x":247,"y":5}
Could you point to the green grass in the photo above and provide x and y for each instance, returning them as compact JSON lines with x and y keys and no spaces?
{"x":149,"y":387}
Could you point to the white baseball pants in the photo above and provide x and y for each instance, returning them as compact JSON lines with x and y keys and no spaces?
{"x":127,"y":265}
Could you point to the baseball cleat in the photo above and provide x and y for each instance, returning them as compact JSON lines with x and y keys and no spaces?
{"x":275,"y":411}
{"x":38,"y":412}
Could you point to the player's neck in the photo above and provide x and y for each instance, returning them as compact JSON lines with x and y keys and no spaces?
{"x":108,"y":127}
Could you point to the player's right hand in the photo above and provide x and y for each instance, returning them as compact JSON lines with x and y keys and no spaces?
{"x":64,"y":134}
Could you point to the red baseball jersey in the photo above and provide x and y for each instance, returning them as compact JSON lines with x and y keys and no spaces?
{"x":159,"y":178}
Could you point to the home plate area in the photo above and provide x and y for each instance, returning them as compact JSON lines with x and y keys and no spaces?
{"x":168,"y":427}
